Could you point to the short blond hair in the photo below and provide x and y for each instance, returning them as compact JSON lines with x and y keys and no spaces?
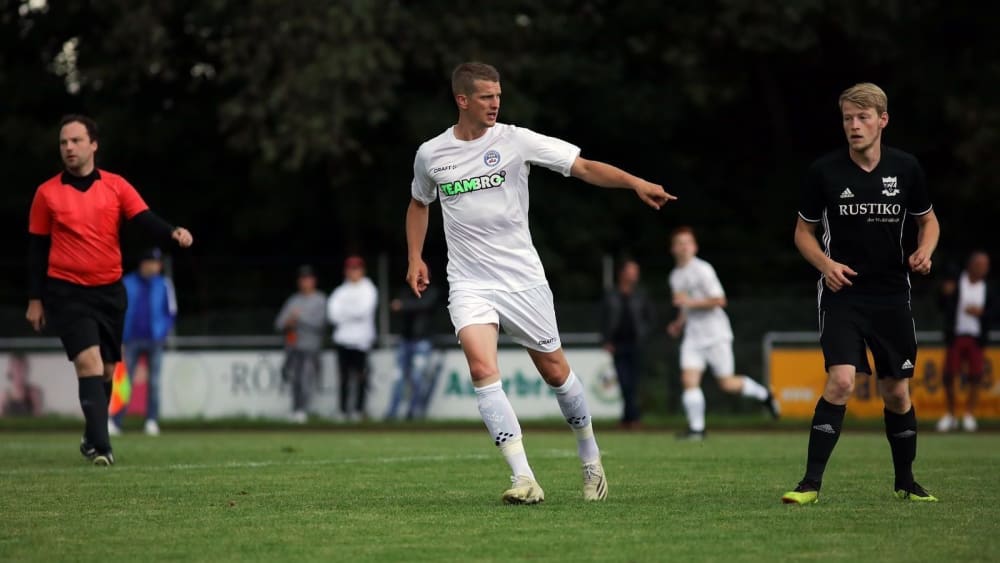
{"x":463,"y":78}
{"x":865,"y":95}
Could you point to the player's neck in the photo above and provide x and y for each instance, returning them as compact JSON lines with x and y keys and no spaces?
{"x":868,"y":158}
{"x":681,"y":262}
{"x":83,"y":171}
{"x":465,"y":131}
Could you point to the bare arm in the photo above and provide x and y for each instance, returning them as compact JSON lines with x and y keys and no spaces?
{"x":608,"y":176}
{"x":834,"y":273}
{"x":706,"y":303}
{"x":928,"y":233}
{"x":676,"y":327}
{"x":417,"y":215}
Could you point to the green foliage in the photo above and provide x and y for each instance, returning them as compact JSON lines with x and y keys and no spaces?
{"x":264,"y":121}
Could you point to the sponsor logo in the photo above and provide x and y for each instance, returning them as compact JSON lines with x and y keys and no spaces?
{"x":546,"y":341}
{"x":444,"y":168}
{"x":846,"y":193}
{"x":473,"y":184}
{"x":887,"y":209}
{"x":491,"y":158}
{"x":907,"y":364}
{"x":889,"y":186}
{"x":905,"y":434}
{"x":825,"y":428}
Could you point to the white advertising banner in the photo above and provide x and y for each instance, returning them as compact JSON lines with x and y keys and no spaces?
{"x":218,"y":384}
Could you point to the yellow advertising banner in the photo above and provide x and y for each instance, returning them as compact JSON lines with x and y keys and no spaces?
{"x":797,"y":377}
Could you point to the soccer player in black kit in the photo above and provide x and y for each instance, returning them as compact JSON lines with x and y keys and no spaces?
{"x":862,"y":196}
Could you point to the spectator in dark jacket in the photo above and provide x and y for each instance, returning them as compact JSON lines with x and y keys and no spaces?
{"x":414,"y":350}
{"x":969,"y":306}
{"x":626,"y":320}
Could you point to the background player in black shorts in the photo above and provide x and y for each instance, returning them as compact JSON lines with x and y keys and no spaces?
{"x":75,"y":269}
{"x":862,"y":196}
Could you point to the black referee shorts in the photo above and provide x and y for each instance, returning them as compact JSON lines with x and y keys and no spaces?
{"x":84,"y":316}
{"x":846,"y":330}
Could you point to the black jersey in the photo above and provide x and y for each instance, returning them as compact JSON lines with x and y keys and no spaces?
{"x":863,"y":216}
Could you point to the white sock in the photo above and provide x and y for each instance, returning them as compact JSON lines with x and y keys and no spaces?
{"x":504,"y":429}
{"x":573,"y":404}
{"x":694,"y":406}
{"x":753,"y":389}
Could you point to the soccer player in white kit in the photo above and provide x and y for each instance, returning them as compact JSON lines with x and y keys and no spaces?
{"x":708,"y":337}
{"x":479,"y":169}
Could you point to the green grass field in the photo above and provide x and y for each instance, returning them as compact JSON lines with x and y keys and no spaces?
{"x":425,"y":495}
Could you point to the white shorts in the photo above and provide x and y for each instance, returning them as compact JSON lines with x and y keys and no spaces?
{"x":718,"y":355}
{"x":529,"y":316}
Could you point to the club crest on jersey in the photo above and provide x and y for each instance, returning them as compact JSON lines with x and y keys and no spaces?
{"x":491,"y":158}
{"x":889,"y":186}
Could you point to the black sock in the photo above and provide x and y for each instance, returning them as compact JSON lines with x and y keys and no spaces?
{"x":107,"y":389}
{"x":94,"y":403}
{"x":901,"y":430}
{"x":826,"y":425}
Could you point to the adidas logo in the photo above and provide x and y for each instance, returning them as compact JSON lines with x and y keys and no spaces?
{"x":905,"y":434}
{"x":825,"y":428}
{"x":846,"y":193}
{"x":907,"y":364}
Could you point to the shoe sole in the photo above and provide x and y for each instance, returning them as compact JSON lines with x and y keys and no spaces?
{"x":786,"y":500}
{"x":914,"y":498}
{"x":513,"y":498}
{"x":102,"y":461}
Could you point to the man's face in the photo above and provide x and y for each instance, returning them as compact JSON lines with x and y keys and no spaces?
{"x":150,"y":267}
{"x":630,"y":273}
{"x":307,"y":284}
{"x":76,"y":147}
{"x":862,"y":126}
{"x":683,"y":247}
{"x":482,"y":106}
{"x":979,"y":266}
{"x":354,"y":273}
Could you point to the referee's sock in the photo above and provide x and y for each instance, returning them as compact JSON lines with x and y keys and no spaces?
{"x":826,"y":425}
{"x":94,"y":403}
{"x":901,"y":430}
{"x":108,"y":385}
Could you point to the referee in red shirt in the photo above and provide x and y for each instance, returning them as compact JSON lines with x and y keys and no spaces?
{"x":75,"y":269}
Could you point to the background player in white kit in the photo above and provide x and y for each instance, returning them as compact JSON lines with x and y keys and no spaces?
{"x":708,"y":337}
{"x":479,"y":168}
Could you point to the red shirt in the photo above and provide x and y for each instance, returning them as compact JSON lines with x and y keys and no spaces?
{"x":84,"y":227}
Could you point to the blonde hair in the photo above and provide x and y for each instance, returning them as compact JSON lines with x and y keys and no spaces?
{"x":865,"y":95}
{"x":463,"y":78}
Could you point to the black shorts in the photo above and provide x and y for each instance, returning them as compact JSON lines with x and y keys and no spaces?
{"x":846,"y":330}
{"x":83,"y":316}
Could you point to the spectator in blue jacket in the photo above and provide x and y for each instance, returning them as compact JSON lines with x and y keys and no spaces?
{"x":152,"y":309}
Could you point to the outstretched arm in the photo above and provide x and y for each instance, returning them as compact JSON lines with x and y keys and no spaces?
{"x":608,"y":176}
{"x":417,"y":215}
{"x":160,"y":230}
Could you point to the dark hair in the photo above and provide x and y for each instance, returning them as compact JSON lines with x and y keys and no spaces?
{"x":87,"y":122}
{"x":464,"y":77}
{"x":682,"y":230}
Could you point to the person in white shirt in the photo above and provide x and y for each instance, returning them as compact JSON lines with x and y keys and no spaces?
{"x":479,"y":169}
{"x":708,"y":337}
{"x":351,"y":310}
{"x":968,"y":304}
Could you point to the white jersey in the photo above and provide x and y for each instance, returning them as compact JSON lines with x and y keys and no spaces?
{"x":698,"y":280}
{"x":969,"y":295}
{"x":483,"y":185}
